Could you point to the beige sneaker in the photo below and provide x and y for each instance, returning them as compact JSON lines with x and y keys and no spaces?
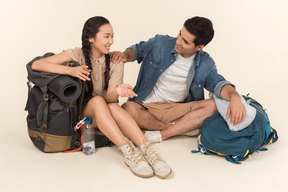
{"x":161,"y":168}
{"x":134,"y":159}
{"x":153,"y":136}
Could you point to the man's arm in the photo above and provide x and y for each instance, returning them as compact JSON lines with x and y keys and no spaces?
{"x":236,"y":109}
{"x":126,"y":56}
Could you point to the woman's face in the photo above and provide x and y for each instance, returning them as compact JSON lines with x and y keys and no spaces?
{"x":101,"y":43}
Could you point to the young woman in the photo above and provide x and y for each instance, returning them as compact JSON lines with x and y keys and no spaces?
{"x":105,"y":83}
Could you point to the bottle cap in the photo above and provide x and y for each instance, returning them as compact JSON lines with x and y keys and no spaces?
{"x":88,"y":120}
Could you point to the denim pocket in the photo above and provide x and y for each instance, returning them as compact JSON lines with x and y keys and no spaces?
{"x":197,"y":91}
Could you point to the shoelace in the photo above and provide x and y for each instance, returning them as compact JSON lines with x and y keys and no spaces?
{"x":151,"y":154}
{"x":135,"y":154}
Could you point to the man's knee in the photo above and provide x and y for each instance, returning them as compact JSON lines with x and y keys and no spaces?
{"x":211,"y":106}
{"x":132,"y":108}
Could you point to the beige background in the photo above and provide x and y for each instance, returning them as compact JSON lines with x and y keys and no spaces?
{"x":250,"y":49}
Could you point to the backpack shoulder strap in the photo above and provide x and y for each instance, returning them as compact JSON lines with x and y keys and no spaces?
{"x":273,"y":137}
{"x":42,"y":113}
{"x":81,"y":100}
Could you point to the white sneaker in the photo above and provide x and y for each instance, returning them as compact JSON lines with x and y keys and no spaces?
{"x":135,"y":161}
{"x":192,"y":133}
{"x":161,"y":168}
{"x":153,"y":136}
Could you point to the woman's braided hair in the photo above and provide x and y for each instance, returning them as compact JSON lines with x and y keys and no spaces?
{"x":90,"y":29}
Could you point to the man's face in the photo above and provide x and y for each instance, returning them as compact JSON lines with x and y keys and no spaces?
{"x":185,"y":44}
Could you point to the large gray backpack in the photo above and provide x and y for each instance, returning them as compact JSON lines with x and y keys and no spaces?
{"x":53,"y":106}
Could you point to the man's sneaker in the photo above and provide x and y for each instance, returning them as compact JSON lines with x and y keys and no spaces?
{"x":161,"y":168}
{"x":192,"y":133}
{"x":134,"y":159}
{"x":153,"y":136}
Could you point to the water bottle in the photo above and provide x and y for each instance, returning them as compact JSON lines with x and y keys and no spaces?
{"x":89,"y":137}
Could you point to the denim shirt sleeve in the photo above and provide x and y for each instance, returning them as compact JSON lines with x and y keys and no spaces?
{"x":219,"y":86}
{"x":215,"y":82}
{"x":206,"y":76}
{"x":141,"y":49}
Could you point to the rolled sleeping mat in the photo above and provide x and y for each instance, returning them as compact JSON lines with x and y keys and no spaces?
{"x":65,"y":87}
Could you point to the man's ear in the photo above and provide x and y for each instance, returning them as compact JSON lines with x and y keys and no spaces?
{"x":199,"y":47}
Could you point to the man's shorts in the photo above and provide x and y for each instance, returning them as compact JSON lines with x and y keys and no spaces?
{"x":167,"y":112}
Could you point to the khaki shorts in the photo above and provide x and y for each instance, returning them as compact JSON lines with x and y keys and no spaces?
{"x":167,"y":112}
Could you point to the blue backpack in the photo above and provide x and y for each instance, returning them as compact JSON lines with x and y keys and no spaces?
{"x":216,"y":138}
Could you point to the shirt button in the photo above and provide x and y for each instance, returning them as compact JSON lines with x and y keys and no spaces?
{"x":161,"y":70}
{"x":199,"y":86}
{"x":151,"y":62}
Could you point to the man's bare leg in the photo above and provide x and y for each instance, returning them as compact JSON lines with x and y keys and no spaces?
{"x":200,"y":110}
{"x":193,"y":120}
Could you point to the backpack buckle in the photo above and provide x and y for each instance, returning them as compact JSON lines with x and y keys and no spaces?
{"x":233,"y":159}
{"x":46,"y":97}
{"x":80,"y":124}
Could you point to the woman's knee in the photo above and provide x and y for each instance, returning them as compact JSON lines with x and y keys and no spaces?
{"x":114,"y":107}
{"x":96,"y":100}
{"x":95,"y":103}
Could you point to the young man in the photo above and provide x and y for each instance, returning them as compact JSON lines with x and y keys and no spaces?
{"x":171,"y":82}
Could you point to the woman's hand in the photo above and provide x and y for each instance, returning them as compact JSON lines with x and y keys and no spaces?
{"x":81,"y":72}
{"x":125,"y":90}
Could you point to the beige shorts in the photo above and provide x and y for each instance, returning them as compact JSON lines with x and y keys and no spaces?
{"x":167,"y":112}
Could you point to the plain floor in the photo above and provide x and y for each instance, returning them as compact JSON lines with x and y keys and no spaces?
{"x":25,"y":168}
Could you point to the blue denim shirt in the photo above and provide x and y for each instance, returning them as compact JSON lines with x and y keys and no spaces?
{"x":158,"y":53}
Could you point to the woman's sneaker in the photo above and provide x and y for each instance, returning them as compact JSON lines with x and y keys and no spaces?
{"x":161,"y":168}
{"x":134,"y":159}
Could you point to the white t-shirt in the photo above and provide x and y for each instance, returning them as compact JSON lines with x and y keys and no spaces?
{"x":171,"y":85}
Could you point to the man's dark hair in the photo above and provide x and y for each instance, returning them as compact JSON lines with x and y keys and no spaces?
{"x":201,"y":28}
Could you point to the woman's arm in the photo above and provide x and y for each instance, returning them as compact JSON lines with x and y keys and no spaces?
{"x":52,"y":65}
{"x":114,"y":91}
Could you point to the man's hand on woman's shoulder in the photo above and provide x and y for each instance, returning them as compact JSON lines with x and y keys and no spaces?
{"x":118,"y":56}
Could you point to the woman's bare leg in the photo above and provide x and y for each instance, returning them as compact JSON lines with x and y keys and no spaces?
{"x":127,"y":124}
{"x":97,"y":108}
